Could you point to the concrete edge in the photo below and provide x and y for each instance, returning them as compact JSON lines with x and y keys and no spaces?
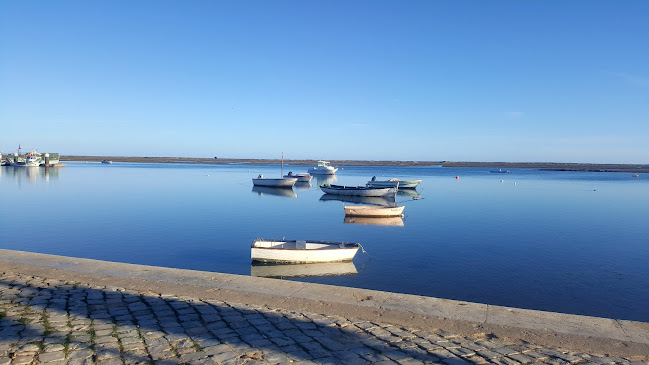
{"x":570,"y":332}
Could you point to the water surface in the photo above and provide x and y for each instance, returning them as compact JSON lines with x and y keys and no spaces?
{"x":572,"y":242}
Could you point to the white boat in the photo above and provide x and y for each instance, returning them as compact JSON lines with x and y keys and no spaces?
{"x":302,"y":270}
{"x":31,"y":159}
{"x":323,"y":168}
{"x":357,"y":190}
{"x":401,"y":184}
{"x":301,"y":176}
{"x":278,"y":183}
{"x":301,"y":251}
{"x":373,"y":211}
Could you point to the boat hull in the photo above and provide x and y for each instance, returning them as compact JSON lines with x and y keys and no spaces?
{"x":373,"y":211}
{"x":300,"y":177}
{"x":278,"y":183}
{"x":322,"y":170}
{"x":287,"y":252}
{"x":358,"y":191}
{"x":407,"y":184}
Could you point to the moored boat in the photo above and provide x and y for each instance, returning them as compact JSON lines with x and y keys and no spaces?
{"x":278,"y":183}
{"x":401,"y":184}
{"x":373,"y":211}
{"x":301,"y":176}
{"x":107,"y":161}
{"x":323,"y":168}
{"x":357,"y":190}
{"x":32,"y":159}
{"x":301,"y":251}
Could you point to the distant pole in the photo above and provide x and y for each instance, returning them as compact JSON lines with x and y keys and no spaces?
{"x":282,"y":165}
{"x":47,"y":160}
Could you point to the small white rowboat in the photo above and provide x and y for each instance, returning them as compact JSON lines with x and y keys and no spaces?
{"x":373,"y":211}
{"x":278,"y":183}
{"x":301,"y":176}
{"x":357,"y":190}
{"x":402,"y":184}
{"x":299,"y":251}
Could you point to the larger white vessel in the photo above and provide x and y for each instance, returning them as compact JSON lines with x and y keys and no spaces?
{"x":323,"y":168}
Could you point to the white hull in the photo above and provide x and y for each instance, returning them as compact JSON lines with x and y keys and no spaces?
{"x":280,"y":251}
{"x":278,"y":183}
{"x":323,"y":168}
{"x":402,"y":184}
{"x":373,"y":211}
{"x":301,"y":177}
{"x":328,"y":170}
{"x":360,"y":192}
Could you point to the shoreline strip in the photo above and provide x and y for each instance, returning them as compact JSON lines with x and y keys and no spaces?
{"x":575,"y":332}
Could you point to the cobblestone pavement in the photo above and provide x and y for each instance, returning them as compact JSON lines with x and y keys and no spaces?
{"x":45,"y":321}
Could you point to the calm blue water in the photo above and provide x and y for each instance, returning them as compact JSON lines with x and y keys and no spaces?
{"x":571,"y":242}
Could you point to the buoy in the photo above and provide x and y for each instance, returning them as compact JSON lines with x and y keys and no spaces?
{"x":502,"y":180}
{"x":457,"y":177}
{"x":514,"y":182}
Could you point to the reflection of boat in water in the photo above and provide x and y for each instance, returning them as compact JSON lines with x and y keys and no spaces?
{"x":325,"y":179}
{"x":278,"y":183}
{"x":412,"y":193}
{"x":375,"y":221}
{"x":301,"y":251}
{"x":357,"y":190}
{"x":385,"y":201}
{"x":302,"y":270}
{"x":393,"y":183}
{"x":302,"y":185}
{"x":373,"y":211}
{"x":261,"y":190}
{"x":323,"y":168}
{"x":301,"y":176}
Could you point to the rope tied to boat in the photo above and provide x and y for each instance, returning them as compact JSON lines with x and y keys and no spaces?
{"x":362,"y":248}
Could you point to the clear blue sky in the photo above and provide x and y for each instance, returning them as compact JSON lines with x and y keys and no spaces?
{"x":563,"y":81}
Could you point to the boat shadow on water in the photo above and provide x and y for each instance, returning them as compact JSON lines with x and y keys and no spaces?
{"x":386,"y":201}
{"x":284,"y":192}
{"x":269,"y":270}
{"x":375,"y":221}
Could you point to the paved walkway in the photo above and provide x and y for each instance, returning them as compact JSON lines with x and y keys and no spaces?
{"x":47,"y":321}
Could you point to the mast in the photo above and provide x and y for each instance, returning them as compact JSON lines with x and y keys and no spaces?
{"x":282,"y":165}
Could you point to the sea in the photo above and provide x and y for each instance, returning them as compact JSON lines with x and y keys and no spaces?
{"x":570,"y":242}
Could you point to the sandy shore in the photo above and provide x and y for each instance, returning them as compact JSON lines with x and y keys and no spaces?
{"x":634,"y":168}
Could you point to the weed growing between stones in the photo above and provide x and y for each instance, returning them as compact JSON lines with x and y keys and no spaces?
{"x":48,"y":329}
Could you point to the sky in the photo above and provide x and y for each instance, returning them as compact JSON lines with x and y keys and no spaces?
{"x":516,"y":81}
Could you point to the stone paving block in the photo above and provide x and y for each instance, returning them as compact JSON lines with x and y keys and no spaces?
{"x":51,"y":356}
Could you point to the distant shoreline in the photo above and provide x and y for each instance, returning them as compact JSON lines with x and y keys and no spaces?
{"x":554,"y":166}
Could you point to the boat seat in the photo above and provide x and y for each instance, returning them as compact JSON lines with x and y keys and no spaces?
{"x":300,"y":245}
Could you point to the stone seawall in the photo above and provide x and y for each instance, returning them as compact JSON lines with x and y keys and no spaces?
{"x":478,"y":324}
